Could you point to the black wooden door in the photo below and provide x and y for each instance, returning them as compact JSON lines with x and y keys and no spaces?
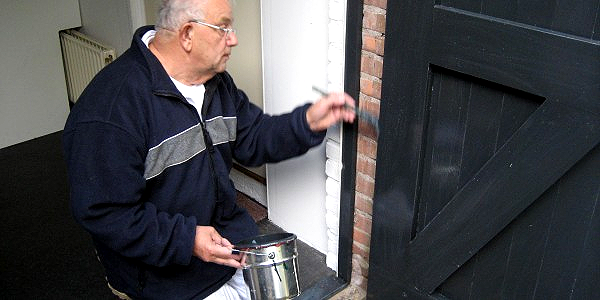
{"x":488,"y":168}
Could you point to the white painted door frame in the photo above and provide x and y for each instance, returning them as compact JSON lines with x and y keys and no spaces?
{"x":303,"y":45}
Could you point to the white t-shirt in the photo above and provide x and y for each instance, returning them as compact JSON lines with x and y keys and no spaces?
{"x":194,"y":94}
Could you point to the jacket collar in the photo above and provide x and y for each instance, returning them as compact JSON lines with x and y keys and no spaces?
{"x":161,"y":82}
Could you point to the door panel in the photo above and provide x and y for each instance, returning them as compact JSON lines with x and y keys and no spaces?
{"x":531,"y":249}
{"x":469,"y":120}
{"x":521,"y":170}
{"x":487,"y":181}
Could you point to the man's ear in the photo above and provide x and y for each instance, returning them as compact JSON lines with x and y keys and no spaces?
{"x":186,"y":33}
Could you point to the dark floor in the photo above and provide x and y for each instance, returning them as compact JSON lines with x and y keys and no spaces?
{"x":46,"y":255}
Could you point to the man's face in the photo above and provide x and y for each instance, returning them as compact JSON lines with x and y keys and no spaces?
{"x":212,"y":47}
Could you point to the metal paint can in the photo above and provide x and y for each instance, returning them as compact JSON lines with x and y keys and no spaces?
{"x":270,"y":266}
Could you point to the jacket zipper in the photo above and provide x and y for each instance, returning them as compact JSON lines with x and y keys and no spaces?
{"x":210,"y":89}
{"x":211,"y":154}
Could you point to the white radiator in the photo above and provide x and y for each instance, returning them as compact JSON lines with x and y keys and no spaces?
{"x":83,"y":58}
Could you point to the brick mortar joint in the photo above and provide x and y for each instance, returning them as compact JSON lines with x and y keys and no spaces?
{"x":369,"y":98}
{"x":368,"y":139}
{"x":365,"y":248}
{"x":368,"y":76}
{"x":373,"y":33}
{"x":363,"y":264}
{"x":366,"y":158}
{"x":363,"y":173}
{"x":366,"y":177}
{"x":374,"y":9}
{"x":363,"y":214}
{"x":371,"y":54}
{"x":362,"y":231}
{"x":364,"y":196}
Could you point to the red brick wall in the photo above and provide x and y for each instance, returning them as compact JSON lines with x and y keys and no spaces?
{"x":373,"y":37}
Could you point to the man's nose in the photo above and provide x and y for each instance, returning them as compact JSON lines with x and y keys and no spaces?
{"x":232,"y":39}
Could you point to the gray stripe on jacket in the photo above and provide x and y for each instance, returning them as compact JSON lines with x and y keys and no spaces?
{"x":187,"y":144}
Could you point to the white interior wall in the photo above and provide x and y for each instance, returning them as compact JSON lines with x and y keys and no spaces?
{"x":33,"y":92}
{"x":245,"y":65}
{"x":151,"y":8}
{"x":109,"y":21}
{"x":138,"y":14}
{"x":294,"y":59}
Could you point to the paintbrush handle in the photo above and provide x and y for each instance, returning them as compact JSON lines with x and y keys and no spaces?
{"x":362,"y":114}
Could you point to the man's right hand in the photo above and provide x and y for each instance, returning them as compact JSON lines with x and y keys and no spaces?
{"x":210,"y":246}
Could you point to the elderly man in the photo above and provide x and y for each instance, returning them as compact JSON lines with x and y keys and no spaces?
{"x":149,"y":146}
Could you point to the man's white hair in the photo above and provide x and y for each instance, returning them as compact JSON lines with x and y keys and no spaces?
{"x":173,"y":13}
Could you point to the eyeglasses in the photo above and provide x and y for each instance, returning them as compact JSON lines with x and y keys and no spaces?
{"x":227,"y":31}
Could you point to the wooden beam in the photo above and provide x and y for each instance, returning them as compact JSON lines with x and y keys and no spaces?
{"x":523,"y":169}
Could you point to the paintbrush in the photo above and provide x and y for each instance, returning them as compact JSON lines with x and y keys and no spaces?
{"x":362,"y":114}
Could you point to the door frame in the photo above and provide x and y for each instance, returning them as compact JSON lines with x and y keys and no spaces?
{"x":329,"y":286}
